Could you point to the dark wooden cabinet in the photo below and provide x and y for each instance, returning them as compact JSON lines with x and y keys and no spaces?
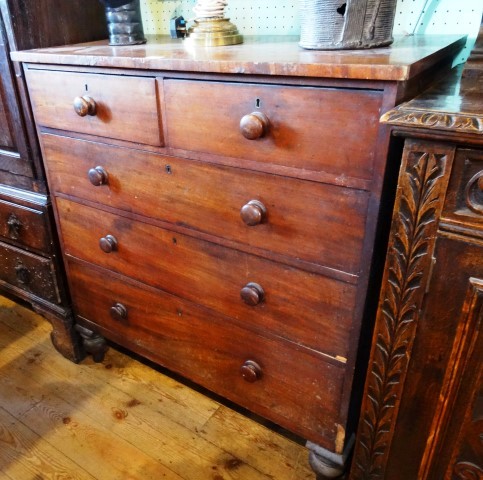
{"x":30,"y":264}
{"x":422,"y":415}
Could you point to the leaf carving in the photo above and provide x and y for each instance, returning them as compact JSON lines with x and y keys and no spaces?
{"x":418,"y":204}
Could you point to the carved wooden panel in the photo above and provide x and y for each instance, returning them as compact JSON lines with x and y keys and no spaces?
{"x":464,"y":123}
{"x":457,"y":450}
{"x":422,"y":186}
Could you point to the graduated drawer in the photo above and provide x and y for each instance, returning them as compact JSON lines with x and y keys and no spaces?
{"x":28,"y":272}
{"x":464,"y":200}
{"x":24,"y":226}
{"x":306,"y":308}
{"x":126,"y":106}
{"x":296,"y":388}
{"x":308,"y":128}
{"x":318,"y":223}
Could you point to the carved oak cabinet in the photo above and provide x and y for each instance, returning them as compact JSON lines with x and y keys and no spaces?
{"x":422,"y":414}
{"x":219,"y":211}
{"x":30,"y":268}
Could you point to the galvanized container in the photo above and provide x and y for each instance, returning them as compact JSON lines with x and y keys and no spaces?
{"x":339,"y":24}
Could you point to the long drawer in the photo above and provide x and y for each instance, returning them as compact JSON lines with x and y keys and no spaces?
{"x":318,"y":223}
{"x":125,"y":107}
{"x":299,"y":127}
{"x":28,"y":272}
{"x":287,"y":384}
{"x":306,"y":308}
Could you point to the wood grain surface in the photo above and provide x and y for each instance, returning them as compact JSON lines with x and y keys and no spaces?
{"x":120,"y":419}
{"x":279,"y":55}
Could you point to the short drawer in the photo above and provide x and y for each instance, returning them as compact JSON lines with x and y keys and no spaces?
{"x":24,"y":226}
{"x":303,"y":307}
{"x":293,"y":387}
{"x":28,"y":272}
{"x":125,"y":106}
{"x":312,"y":129}
{"x":464,"y":200}
{"x":317,"y":223}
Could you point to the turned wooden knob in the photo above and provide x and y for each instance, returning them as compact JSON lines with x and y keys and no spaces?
{"x":118,"y":312}
{"x":97,"y":176}
{"x":251,"y":371}
{"x":254,"y":125}
{"x":253,"y":213}
{"x":108,"y":244}
{"x":85,"y":106}
{"x":252,"y":294}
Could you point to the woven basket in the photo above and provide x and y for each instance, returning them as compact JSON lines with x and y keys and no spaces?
{"x":346,"y":24}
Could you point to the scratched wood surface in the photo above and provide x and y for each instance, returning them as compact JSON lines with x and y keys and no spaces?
{"x":120,"y":419}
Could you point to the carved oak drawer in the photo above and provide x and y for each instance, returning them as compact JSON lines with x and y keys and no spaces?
{"x":275,"y":124}
{"x":264,"y":211}
{"x":122,"y":107}
{"x":248,"y":368}
{"x":176,"y":263}
{"x":24,"y":226}
{"x":464,"y":202}
{"x":28,"y":272}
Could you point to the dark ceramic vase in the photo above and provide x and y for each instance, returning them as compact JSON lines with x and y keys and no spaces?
{"x":124,"y":22}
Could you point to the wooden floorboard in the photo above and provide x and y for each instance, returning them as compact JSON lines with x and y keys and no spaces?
{"x":120,"y":419}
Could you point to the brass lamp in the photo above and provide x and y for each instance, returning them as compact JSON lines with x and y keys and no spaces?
{"x":211,"y":28}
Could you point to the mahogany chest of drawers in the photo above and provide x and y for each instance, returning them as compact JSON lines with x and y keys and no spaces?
{"x":220,"y":211}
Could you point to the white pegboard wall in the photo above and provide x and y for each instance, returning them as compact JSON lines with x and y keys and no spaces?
{"x":282,"y":17}
{"x":252,"y":17}
{"x":440,"y":17}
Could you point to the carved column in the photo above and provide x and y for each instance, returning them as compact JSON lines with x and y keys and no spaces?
{"x":422,"y":186}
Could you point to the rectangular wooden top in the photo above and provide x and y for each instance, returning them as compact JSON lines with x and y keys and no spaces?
{"x":276,"y":55}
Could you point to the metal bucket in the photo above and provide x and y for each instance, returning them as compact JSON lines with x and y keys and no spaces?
{"x":346,"y":24}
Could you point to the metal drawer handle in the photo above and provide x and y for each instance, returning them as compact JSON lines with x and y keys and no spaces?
{"x":23,"y":274}
{"x":14,"y":226}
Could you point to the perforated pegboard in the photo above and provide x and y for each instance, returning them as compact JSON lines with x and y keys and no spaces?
{"x":281,"y":17}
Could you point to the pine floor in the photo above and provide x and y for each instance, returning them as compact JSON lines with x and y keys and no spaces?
{"x":120,"y":419}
